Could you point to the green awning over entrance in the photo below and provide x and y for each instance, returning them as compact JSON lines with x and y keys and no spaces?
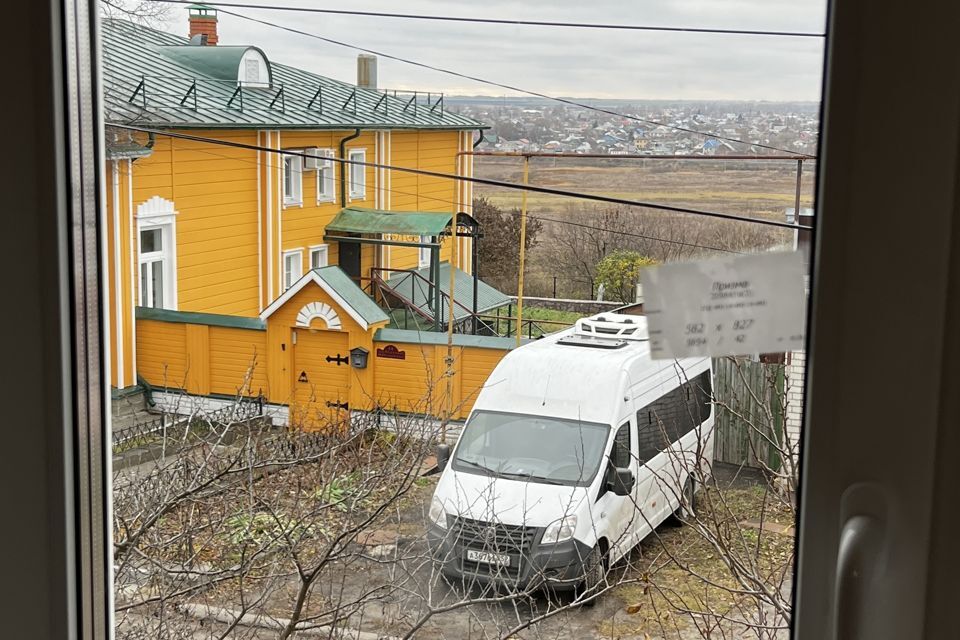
{"x":377,"y":221}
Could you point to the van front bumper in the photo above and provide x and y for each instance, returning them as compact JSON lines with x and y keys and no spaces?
{"x":558,"y":566}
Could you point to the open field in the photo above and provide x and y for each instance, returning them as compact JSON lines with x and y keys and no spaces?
{"x":750,"y":188}
{"x":758,"y":189}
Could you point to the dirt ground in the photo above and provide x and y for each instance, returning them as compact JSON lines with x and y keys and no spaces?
{"x":396,"y":555}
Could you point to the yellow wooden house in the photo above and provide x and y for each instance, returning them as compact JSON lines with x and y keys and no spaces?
{"x":244,"y":258}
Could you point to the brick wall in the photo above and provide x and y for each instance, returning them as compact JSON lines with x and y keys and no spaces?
{"x":796,"y":368}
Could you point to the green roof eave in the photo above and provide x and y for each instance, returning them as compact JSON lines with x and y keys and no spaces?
{"x":377,"y":221}
{"x":410,"y":336}
{"x":193,"y":317}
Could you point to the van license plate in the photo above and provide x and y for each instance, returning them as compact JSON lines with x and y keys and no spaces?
{"x":499,"y":559}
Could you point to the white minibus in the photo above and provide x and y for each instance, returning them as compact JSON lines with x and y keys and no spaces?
{"x":577,"y":447}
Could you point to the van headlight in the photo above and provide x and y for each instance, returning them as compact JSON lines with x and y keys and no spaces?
{"x":560,"y":530}
{"x":438,"y":515}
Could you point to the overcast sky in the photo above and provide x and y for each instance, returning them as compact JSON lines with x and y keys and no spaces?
{"x":558,"y":61}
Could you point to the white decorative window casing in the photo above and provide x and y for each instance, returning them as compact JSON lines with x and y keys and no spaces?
{"x":319,"y":256}
{"x":157,"y":254}
{"x":313,"y":310}
{"x":326,"y":177}
{"x":292,"y":180}
{"x":358,"y":174}
{"x":292,"y":268}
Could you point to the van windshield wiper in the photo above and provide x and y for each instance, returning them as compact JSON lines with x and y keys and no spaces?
{"x":528,"y":476}
{"x":475,"y":465}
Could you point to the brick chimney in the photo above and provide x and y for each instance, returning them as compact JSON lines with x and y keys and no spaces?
{"x":203,"y":25}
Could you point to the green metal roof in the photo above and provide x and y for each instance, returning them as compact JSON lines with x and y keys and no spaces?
{"x":187,"y":89}
{"x":417,"y":290}
{"x":432,"y":337}
{"x":409,"y":223}
{"x":352,"y":294}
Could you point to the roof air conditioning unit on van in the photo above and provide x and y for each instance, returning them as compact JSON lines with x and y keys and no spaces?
{"x":614,"y":326}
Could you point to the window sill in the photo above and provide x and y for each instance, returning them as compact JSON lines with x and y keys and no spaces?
{"x":292,"y":204}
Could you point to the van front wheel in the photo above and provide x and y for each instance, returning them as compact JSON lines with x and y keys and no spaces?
{"x":687,"y":506}
{"x":594,"y":576}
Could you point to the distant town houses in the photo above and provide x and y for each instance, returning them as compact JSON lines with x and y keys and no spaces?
{"x":519,"y":126}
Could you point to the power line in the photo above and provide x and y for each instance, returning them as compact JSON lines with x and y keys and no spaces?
{"x":504,"y":21}
{"x":508,"y":87}
{"x":529,"y":215}
{"x":486,"y":181}
{"x":633,"y":235}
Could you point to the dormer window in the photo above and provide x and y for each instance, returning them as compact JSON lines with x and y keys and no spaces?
{"x":253,"y":71}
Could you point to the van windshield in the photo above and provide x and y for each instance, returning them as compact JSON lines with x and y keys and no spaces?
{"x":534,"y":448}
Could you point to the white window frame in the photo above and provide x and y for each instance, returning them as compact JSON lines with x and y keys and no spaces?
{"x":290,"y":277}
{"x":322,"y":250}
{"x":358,"y":188}
{"x":326,"y":176}
{"x":423,"y":253}
{"x":292,"y":165}
{"x":158,"y":214}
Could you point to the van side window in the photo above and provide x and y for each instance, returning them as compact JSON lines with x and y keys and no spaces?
{"x":673,"y":415}
{"x":620,"y":453}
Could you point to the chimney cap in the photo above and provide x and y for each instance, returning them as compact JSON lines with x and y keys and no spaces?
{"x":201,"y":10}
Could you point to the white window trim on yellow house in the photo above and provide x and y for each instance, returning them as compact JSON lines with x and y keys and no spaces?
{"x":158,"y":214}
{"x":292,"y":267}
{"x":326,"y":176}
{"x":319,"y":256}
{"x":293,"y":168}
{"x":357,"y":174}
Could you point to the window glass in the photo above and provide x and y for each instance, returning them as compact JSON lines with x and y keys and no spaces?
{"x":292,"y":268}
{"x":319,"y":257}
{"x":151,"y":240}
{"x":620,"y":453}
{"x":531,"y":447}
{"x":292,"y":179}
{"x":325,"y":176}
{"x":358,"y":179}
{"x":423,"y":253}
{"x":673,"y":415}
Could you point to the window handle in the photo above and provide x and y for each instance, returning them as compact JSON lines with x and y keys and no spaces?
{"x":859,"y":557}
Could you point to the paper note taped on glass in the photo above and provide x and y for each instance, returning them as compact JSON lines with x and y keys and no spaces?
{"x":741,"y":305}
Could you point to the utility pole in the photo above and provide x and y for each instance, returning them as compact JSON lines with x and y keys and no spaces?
{"x":523,"y":246}
{"x":449,"y":360}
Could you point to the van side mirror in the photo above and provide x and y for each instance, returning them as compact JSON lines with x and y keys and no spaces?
{"x":443,"y":456}
{"x":621,"y":481}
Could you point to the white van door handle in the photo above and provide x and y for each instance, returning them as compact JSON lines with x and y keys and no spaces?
{"x":857,"y":555}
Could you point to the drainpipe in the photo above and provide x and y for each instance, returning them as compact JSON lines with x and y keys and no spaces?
{"x":479,"y":140}
{"x":343,"y":165}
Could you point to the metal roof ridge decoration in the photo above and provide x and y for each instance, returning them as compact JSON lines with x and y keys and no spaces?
{"x":149,"y":78}
{"x":380,"y":221}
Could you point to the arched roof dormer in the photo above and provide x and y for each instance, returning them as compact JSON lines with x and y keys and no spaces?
{"x":240,"y":64}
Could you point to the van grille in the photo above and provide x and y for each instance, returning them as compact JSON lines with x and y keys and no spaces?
{"x":494,"y":537}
